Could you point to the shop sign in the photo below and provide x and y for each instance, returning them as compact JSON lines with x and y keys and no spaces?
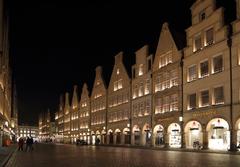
{"x":204,"y":114}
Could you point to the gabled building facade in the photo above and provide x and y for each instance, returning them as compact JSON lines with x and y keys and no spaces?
{"x":118,"y":114}
{"x":74,"y":116}
{"x":84,"y":115}
{"x":167,"y":91}
{"x":67,"y":119}
{"x":99,"y":108}
{"x":207,"y":95}
{"x":141,"y":98}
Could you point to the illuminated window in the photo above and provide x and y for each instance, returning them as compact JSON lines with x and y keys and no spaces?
{"x":118,"y":71}
{"x":218,"y":95}
{"x":204,"y":98}
{"x":140,"y":92}
{"x":158,"y":106}
{"x":165,"y":59}
{"x":192,"y":73}
{"x":192,"y":101}
{"x":217,"y":64}
{"x":140,"y":71}
{"x":174,"y":78}
{"x":204,"y":69}
{"x":135,"y":91}
{"x":209,"y":37}
{"x":166,"y":104}
{"x":174,"y":102}
{"x":117,"y":85}
{"x":158,"y":83}
{"x":197,"y":43}
{"x":147,"y":87}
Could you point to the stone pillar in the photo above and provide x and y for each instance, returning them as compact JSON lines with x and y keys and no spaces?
{"x":205,"y":138}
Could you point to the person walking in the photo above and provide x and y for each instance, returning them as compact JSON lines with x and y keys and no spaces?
{"x":20,"y":144}
{"x":27,"y":144}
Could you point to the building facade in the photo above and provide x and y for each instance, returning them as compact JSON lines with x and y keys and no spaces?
{"x":28,"y":131}
{"x":74,"y":116}
{"x":141,"y":98}
{"x":167,"y":91}
{"x":6,"y":125}
{"x":118,"y":116}
{"x":188,"y":97}
{"x":44,"y":126}
{"x":84,"y":115}
{"x":99,"y":108}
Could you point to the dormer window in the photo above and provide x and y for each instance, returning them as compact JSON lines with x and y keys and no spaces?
{"x":202,"y":16}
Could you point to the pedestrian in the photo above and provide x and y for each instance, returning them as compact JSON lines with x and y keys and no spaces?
{"x":31,"y":144}
{"x":27,"y":144}
{"x":20,"y":144}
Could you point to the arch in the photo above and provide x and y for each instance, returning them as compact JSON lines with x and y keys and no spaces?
{"x":193,"y":134}
{"x":136,"y":128}
{"x":237,"y":128}
{"x":145,"y":127}
{"x":110,"y":131}
{"x":97,"y":132}
{"x":217,"y":122}
{"x":103,"y":132}
{"x":146,"y":134}
{"x":158,"y":135}
{"x":174,"y":133}
{"x":127,"y":136}
{"x":117,"y":131}
{"x":218,"y":134}
{"x":237,"y":124}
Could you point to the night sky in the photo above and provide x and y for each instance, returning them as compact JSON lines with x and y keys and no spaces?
{"x":55,"y":45}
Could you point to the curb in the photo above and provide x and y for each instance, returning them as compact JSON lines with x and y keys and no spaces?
{"x":179,"y":150}
{"x":4,"y":163}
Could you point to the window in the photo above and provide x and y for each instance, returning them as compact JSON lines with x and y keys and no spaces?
{"x":135,"y":91}
{"x":165,"y":104}
{"x":204,"y":69}
{"x":158,"y":84}
{"x":204,"y":98}
{"x":192,"y":101}
{"x":158,"y":106}
{"x":147,"y":87}
{"x":217,"y":64}
{"x":147,"y":110}
{"x":140,"y":93}
{"x":197,"y":43}
{"x":140,"y":71}
{"x":218,"y":95}
{"x":192,"y":73}
{"x":117,"y":85}
{"x":174,"y":103}
{"x":209,"y":37}
{"x":165,"y":59}
{"x":202,"y":15}
{"x":174,"y":78}
{"x":118,"y":71}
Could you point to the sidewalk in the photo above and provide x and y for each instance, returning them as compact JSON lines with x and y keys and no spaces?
{"x":175,"y":149}
{"x":6,"y":153}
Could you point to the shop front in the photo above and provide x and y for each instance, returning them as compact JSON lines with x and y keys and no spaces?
{"x":136,"y":135}
{"x":174,"y":134}
{"x":158,"y":133}
{"x":193,"y":134}
{"x":118,"y":136}
{"x":104,"y":137}
{"x":127,"y":136}
{"x":93,"y":138}
{"x":146,"y":135}
{"x":218,"y":134}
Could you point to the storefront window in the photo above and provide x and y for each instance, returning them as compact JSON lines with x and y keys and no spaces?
{"x":174,"y":135}
{"x":193,"y":135}
{"x":159,"y":135}
{"x":218,"y":134}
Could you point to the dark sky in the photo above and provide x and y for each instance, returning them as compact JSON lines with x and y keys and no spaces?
{"x":54,"y":44}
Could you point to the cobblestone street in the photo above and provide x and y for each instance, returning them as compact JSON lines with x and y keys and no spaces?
{"x":84,"y":156}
